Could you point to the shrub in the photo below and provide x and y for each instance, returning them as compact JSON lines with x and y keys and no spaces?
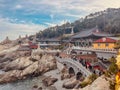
{"x":83,"y":84}
{"x":92,"y":77}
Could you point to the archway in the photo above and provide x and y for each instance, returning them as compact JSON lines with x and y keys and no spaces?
{"x":71,"y":71}
{"x":78,"y":75}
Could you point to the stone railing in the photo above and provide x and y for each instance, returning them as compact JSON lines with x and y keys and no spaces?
{"x":95,"y":50}
{"x":76,"y":64}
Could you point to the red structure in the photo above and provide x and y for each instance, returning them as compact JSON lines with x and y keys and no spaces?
{"x":108,"y":40}
{"x":33,"y":45}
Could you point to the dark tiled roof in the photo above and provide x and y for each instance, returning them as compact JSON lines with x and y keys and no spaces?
{"x":88,"y":32}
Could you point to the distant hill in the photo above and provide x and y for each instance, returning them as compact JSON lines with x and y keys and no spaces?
{"x":107,"y":21}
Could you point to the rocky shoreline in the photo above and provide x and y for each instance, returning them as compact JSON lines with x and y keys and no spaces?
{"x":16,"y":67}
{"x":19,"y":66}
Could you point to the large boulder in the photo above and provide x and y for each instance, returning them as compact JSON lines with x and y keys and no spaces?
{"x":10,"y":76}
{"x":18,"y":64}
{"x":71,"y":83}
{"x":64,"y":73}
{"x":99,"y":84}
{"x":31,"y":69}
{"x":23,"y":67}
{"x":48,"y":81}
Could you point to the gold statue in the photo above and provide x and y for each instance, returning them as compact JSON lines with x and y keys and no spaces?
{"x":118,"y":59}
{"x":117,"y":86}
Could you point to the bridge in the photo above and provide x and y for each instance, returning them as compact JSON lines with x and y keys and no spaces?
{"x":75,"y":66}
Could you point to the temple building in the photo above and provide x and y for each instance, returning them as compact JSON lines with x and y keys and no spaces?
{"x":49,"y":42}
{"x":85,"y":38}
{"x":106,"y":43}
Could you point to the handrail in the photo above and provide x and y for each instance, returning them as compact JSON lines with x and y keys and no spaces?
{"x":77,"y":64}
{"x":92,"y":49}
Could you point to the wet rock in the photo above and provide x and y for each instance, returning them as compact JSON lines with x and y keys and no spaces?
{"x":48,"y":81}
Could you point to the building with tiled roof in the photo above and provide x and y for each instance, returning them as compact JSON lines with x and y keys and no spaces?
{"x":85,"y":38}
{"x":89,"y":33}
{"x":49,"y":42}
{"x":105,"y":43}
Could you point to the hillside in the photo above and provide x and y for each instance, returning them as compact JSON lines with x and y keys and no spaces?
{"x":107,"y":21}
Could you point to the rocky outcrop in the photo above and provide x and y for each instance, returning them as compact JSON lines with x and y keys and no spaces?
{"x":48,"y":81}
{"x":71,"y":83}
{"x":9,"y":49}
{"x":18,"y":64}
{"x":10,"y":76}
{"x":24,"y":67}
{"x":2,"y":47}
{"x":6,"y":41}
{"x":64,"y":73}
{"x":99,"y":84}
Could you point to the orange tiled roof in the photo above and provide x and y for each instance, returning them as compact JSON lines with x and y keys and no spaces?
{"x":105,"y":40}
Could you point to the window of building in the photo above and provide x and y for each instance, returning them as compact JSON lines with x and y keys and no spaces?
{"x":98,"y":44}
{"x":106,"y":44}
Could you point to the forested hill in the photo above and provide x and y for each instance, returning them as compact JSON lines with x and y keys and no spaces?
{"x":107,"y":21}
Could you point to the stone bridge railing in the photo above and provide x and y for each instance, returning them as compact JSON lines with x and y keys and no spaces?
{"x":95,"y":50}
{"x":78,"y":67}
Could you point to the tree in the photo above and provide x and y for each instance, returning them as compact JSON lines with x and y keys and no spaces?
{"x":117,"y":45}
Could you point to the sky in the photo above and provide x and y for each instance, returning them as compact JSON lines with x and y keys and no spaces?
{"x":21,"y":17}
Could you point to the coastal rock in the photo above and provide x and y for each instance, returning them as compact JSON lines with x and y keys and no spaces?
{"x":64,"y":73}
{"x":18,"y":64}
{"x":31,"y":69}
{"x":2,"y":47}
{"x":23,"y":67}
{"x":10,"y":76}
{"x":71,"y":83}
{"x":48,"y":81}
{"x":99,"y":84}
{"x":9,"y":49}
{"x":2,"y":65}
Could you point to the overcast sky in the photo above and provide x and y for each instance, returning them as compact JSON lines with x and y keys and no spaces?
{"x":21,"y":17}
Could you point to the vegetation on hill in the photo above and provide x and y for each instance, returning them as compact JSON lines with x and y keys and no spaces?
{"x":107,"y":21}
